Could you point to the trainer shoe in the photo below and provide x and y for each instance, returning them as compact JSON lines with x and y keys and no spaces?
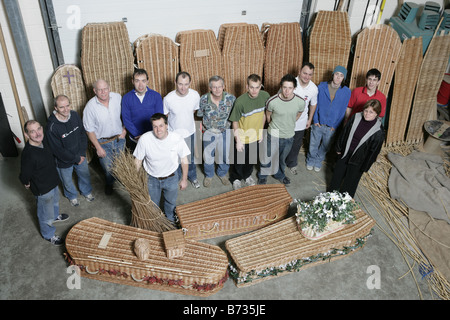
{"x":316,"y":169}
{"x":249,"y":181}
{"x":89,"y":197}
{"x":74,"y":202}
{"x":195,"y":184}
{"x":225,"y":180}
{"x":56,"y":241}
{"x":262,"y":181}
{"x":62,"y":217}
{"x":309,"y":168}
{"x":237,"y":184}
{"x":207,"y":182}
{"x":286,"y":181}
{"x":293,"y":170}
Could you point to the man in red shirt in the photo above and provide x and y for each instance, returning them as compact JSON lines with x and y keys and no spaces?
{"x":361,"y":95}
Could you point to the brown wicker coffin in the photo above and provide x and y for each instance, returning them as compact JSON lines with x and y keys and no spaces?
{"x":200,"y":56}
{"x":106,"y":54}
{"x":279,"y":249}
{"x":158,"y":55}
{"x":233,"y":212}
{"x":329,"y":43}
{"x":106,"y":251}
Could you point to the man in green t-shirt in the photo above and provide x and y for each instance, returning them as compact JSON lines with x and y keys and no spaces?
{"x":248,"y":119}
{"x":282,"y":111}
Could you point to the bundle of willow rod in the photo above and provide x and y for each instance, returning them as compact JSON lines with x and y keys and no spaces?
{"x":376,"y":192}
{"x":145,"y":213}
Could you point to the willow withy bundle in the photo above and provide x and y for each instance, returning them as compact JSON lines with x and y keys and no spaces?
{"x":376,"y":188}
{"x":145,"y":214}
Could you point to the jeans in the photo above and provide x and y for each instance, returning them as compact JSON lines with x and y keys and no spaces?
{"x":84,"y":180}
{"x":192,"y":169}
{"x":47,"y":211}
{"x":292,"y":158}
{"x":319,"y":144}
{"x":111,"y":148}
{"x":211,"y":143}
{"x":277,"y":152}
{"x":167,"y":187}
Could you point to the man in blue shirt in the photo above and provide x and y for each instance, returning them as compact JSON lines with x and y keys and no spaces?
{"x":138,"y":106}
{"x":332,"y":102}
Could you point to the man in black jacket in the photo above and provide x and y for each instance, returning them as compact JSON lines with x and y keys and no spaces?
{"x":38,"y":173}
{"x":68,"y":140}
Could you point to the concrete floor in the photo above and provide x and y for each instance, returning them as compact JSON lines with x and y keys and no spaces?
{"x":31,"y":268}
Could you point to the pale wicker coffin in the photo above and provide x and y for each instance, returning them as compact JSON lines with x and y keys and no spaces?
{"x":406,"y":75}
{"x":283,"y":53}
{"x":282,"y":248}
{"x":106,"y":54}
{"x":105,"y":251}
{"x":243,"y":55}
{"x":158,"y":55}
{"x":329,"y":43}
{"x":233,"y":212}
{"x":67,"y":80}
{"x":200,"y":56}
{"x":430,"y":79}
{"x":377,"y":47}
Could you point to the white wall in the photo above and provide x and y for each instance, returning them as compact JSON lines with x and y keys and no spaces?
{"x":37,"y":39}
{"x":166,"y":17}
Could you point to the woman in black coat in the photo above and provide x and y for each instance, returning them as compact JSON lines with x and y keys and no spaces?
{"x":357,"y":147}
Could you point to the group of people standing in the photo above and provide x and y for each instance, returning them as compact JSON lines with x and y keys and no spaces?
{"x":161,"y":134}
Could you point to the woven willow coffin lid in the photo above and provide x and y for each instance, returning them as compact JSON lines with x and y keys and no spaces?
{"x":200,"y":56}
{"x":99,"y":241}
{"x":106,"y":54}
{"x":158,"y":55}
{"x":67,"y":80}
{"x":282,"y":243}
{"x":377,"y":47}
{"x":329,"y":43}
{"x":283,"y":53}
{"x":232,"y":204}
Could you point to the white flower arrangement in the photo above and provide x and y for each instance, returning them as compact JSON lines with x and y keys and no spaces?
{"x":325,"y":208}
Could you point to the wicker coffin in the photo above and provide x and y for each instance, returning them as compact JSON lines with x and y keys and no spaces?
{"x":377,"y":47}
{"x":233,"y":212}
{"x":430,"y":79}
{"x":329,"y":43}
{"x":279,"y":249}
{"x":406,"y":75}
{"x":200,"y":56}
{"x":158,"y":55}
{"x":106,"y":54}
{"x":105,"y":251}
{"x":67,"y":80}
{"x":243,"y":55}
{"x":283,"y":53}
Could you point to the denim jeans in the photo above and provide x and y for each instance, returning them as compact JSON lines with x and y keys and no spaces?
{"x":47,"y":211}
{"x":169,"y":189}
{"x":84,"y":180}
{"x":192,"y":169}
{"x":320,"y":142}
{"x":277,"y":150}
{"x":292,"y":158}
{"x":111,"y":148}
{"x":213,"y":142}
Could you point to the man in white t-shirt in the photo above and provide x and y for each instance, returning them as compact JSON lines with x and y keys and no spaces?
{"x":160,"y":151}
{"x":179,"y":107}
{"x":307,"y":90}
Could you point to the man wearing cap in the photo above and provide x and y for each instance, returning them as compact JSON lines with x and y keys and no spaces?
{"x":332,"y":102}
